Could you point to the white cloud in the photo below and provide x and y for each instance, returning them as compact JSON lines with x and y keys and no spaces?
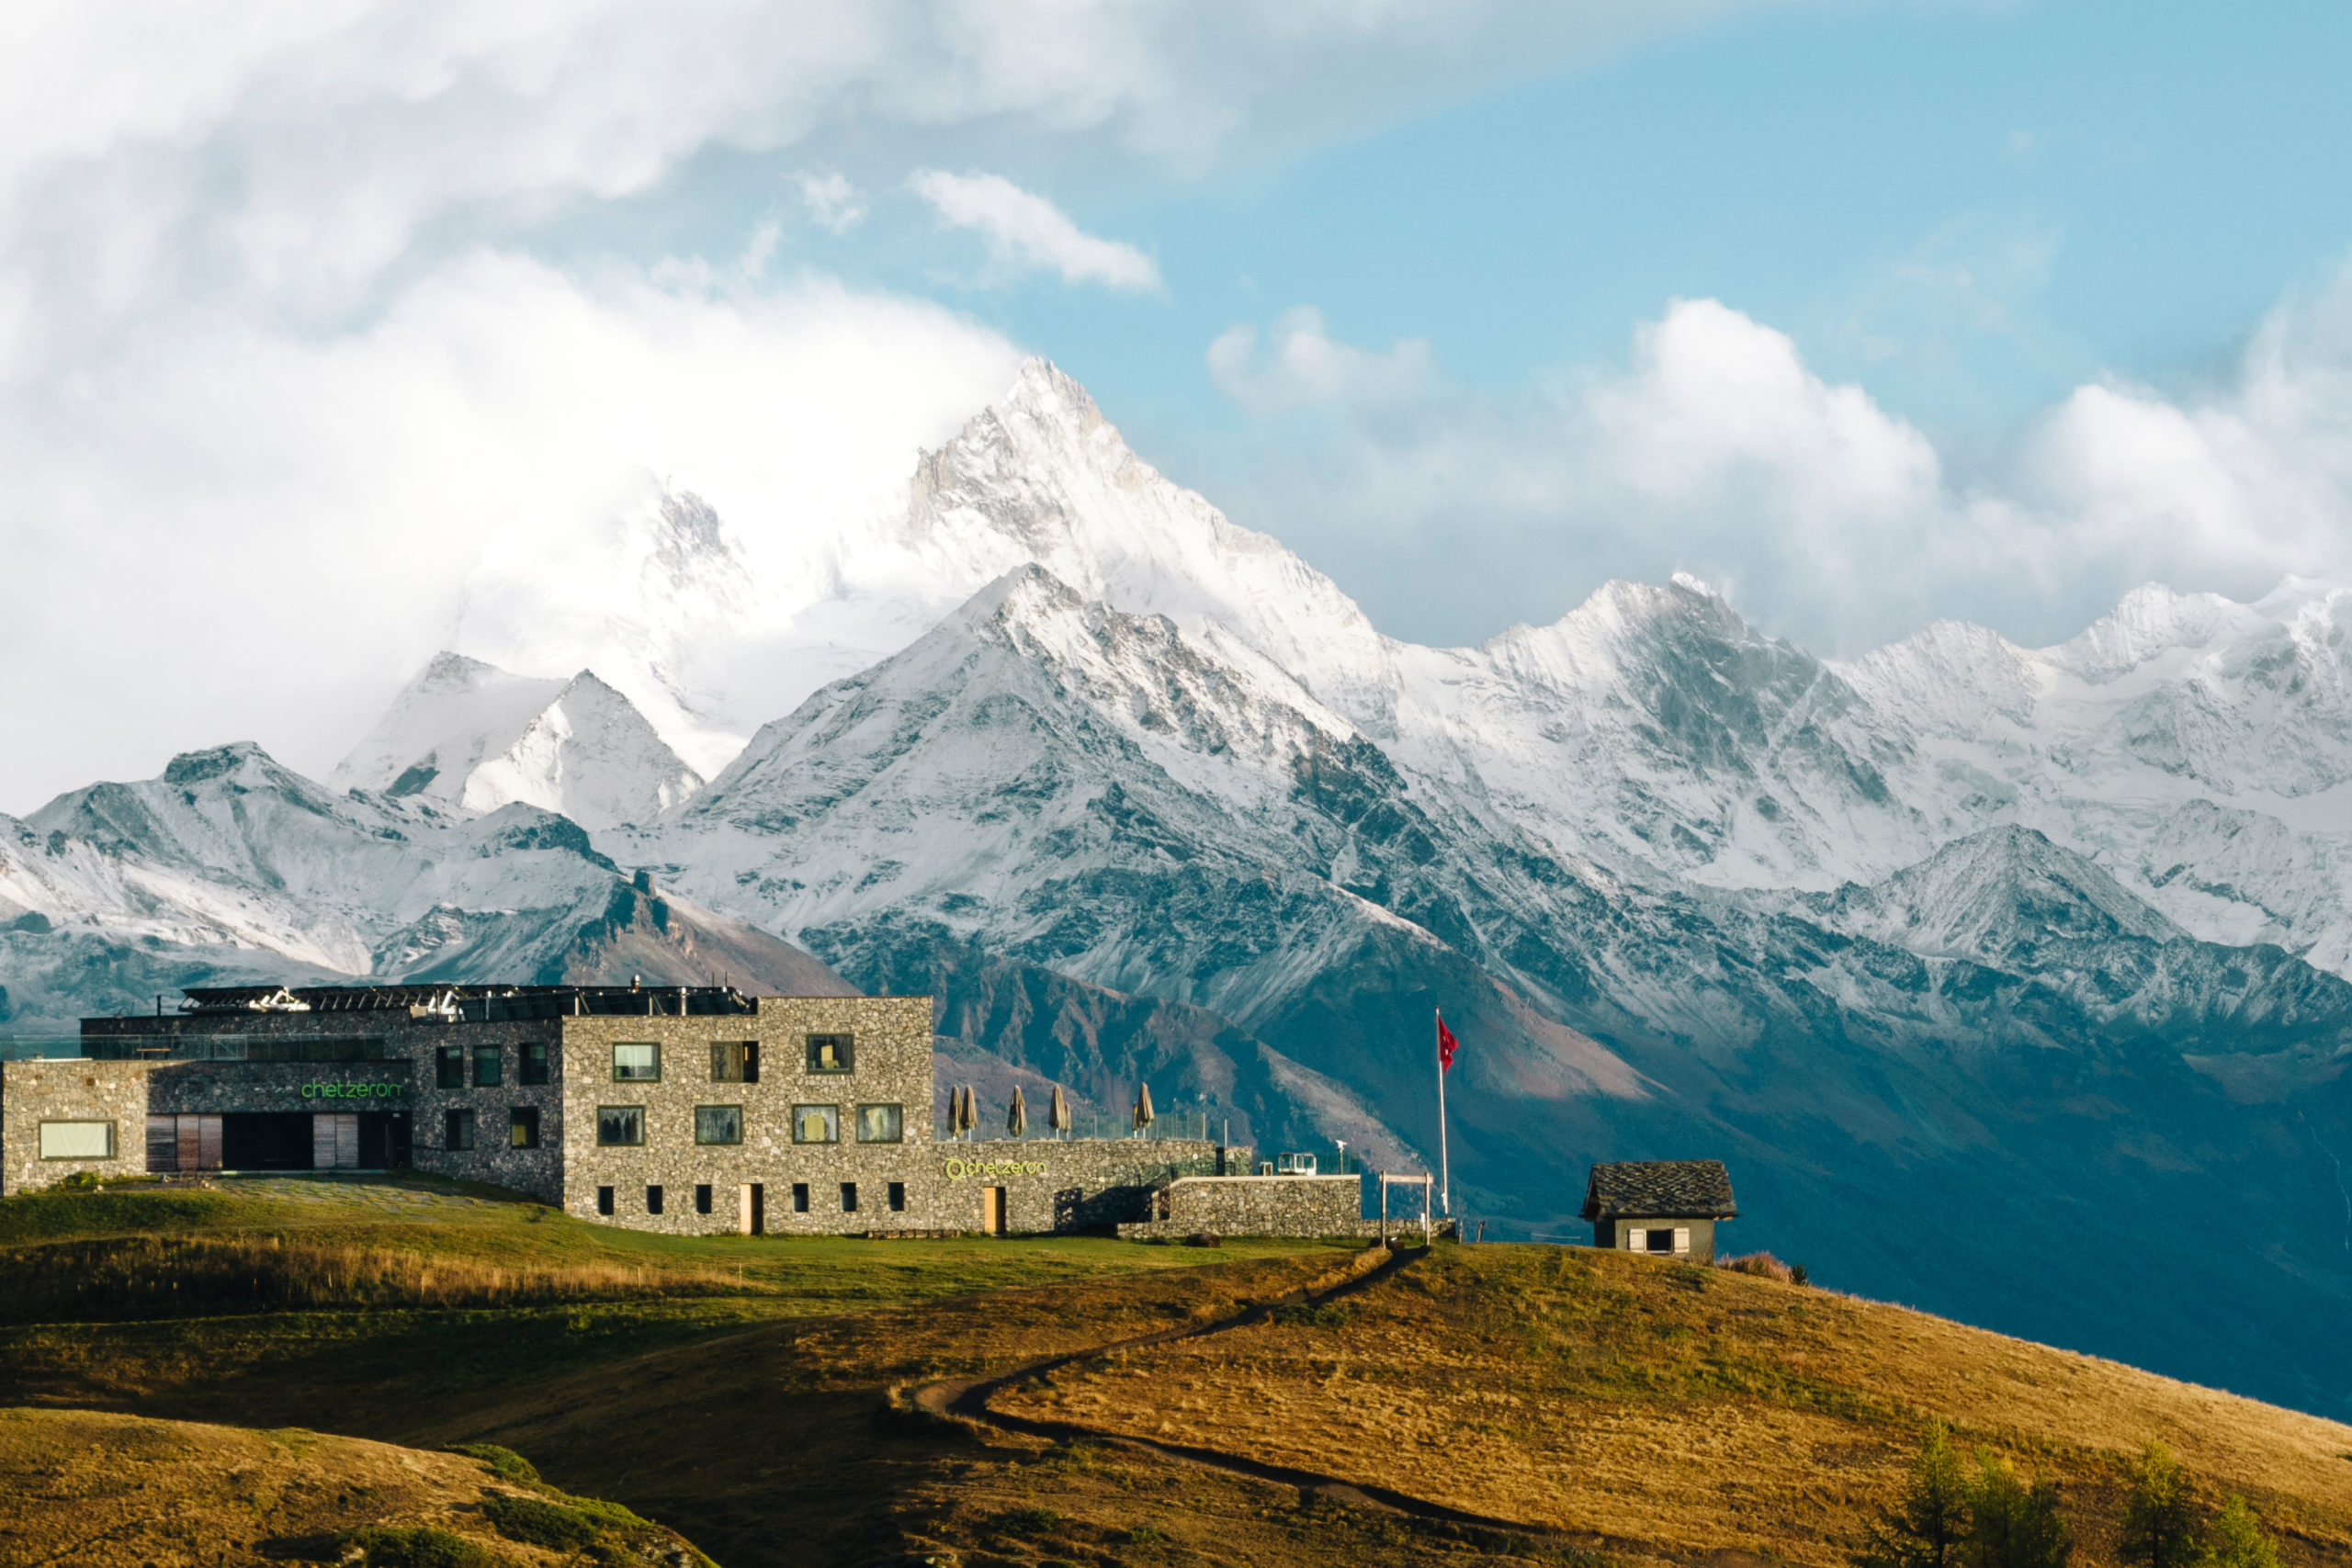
{"x":834,"y":203}
{"x":1304,"y":367}
{"x":254,"y":533}
{"x":1026,"y":232}
{"x":1717,"y":449}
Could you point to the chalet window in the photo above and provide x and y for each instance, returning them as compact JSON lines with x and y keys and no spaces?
{"x":490,"y":1066}
{"x":848,"y":1196}
{"x":898,"y":1197}
{"x":449,"y":1068}
{"x":457,"y":1131}
{"x":880,"y":1125}
{"x":535,"y":1062}
{"x":832,"y":1053}
{"x":816,"y":1124}
{"x":702,"y":1197}
{"x":603,"y":1200}
{"x":620,"y":1126}
{"x":799,"y":1197}
{"x":637,"y":1063}
{"x":653,"y":1199}
{"x":719,"y":1124}
{"x":523,"y":1127}
{"x":1658,"y":1241}
{"x":77,"y":1140}
{"x":734,"y":1061}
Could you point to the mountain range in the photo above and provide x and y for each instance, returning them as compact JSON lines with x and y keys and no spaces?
{"x":2011,"y":982}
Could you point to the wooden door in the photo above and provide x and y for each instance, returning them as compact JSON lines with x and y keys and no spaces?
{"x":992,"y":1210}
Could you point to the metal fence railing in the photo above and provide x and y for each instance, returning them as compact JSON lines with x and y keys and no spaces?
{"x":1167,"y":1126}
{"x":25,"y":1047}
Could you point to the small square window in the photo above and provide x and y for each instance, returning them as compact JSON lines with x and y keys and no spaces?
{"x":880,"y":1125}
{"x":702,"y":1197}
{"x":848,"y":1196}
{"x":719,"y":1124}
{"x":898,"y":1197}
{"x":457,"y":1131}
{"x":799,"y":1197}
{"x":535,"y":1062}
{"x":490,"y":1066}
{"x":1660,"y":1241}
{"x":653,"y":1199}
{"x":620,"y":1126}
{"x":523,"y":1127}
{"x":831,"y":1053}
{"x":637,"y":1063}
{"x":450,"y":1066}
{"x":816,"y":1124}
{"x":734,"y":1061}
{"x":603,"y":1200}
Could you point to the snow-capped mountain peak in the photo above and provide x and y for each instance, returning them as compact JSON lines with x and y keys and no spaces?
{"x":470,"y":735}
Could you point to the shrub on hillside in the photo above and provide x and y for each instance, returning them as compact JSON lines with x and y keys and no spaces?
{"x":504,"y":1463}
{"x":423,"y":1547}
{"x":534,"y":1522}
{"x":1761,"y":1264}
{"x":2238,"y":1539}
{"x":2010,"y":1524}
{"x":2162,"y":1526}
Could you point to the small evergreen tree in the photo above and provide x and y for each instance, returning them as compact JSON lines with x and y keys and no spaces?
{"x":2012,"y":1525}
{"x":2238,"y":1539}
{"x":2162,"y":1527}
{"x":1925,"y":1531}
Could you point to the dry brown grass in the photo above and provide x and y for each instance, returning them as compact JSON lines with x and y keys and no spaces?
{"x":147,"y":1277}
{"x":1675,"y":1410}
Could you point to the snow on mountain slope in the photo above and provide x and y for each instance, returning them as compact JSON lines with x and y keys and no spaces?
{"x":467,"y":734}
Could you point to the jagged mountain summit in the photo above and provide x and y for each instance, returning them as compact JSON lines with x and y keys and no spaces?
{"x":469,"y":735}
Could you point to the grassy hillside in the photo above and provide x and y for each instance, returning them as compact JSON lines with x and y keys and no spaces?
{"x":768,"y":1398}
{"x":102,"y":1491}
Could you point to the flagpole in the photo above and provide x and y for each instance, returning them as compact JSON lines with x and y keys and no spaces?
{"x":1445,"y":1170}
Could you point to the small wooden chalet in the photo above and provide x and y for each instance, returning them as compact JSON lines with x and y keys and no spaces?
{"x":1665,"y":1207}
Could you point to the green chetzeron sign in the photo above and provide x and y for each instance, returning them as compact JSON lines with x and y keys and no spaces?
{"x":354,"y":1091}
{"x":957,"y":1169}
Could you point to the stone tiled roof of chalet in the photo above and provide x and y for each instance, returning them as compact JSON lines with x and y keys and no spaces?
{"x":1660,"y":1190}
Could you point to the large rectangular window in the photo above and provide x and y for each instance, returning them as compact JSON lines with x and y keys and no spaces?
{"x":535,"y":1062}
{"x":816,"y":1124}
{"x":881,"y":1125}
{"x":490,"y":1066}
{"x":77,"y":1140}
{"x":523,"y":1127}
{"x":734,"y":1061}
{"x":620,"y":1125}
{"x":449,"y":1068}
{"x":719,"y":1124}
{"x":637,"y":1063}
{"x":831,"y":1053}
{"x":457,"y":1131}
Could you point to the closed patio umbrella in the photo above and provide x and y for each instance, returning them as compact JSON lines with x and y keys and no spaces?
{"x":1016,"y":1119}
{"x":971,"y":1111}
{"x":1057,"y":1112}
{"x":1143,"y":1107}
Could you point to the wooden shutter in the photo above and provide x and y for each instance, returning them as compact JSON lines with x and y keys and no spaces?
{"x":1682,"y":1239}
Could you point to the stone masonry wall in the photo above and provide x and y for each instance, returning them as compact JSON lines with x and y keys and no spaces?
{"x":1257,"y":1205}
{"x":891,"y":1065}
{"x":1077,"y":1184}
{"x":69,"y":1091}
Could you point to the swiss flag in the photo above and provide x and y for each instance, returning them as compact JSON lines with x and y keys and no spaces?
{"x":1446,"y":1045}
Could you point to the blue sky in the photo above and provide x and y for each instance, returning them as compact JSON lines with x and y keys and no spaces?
{"x":1868,"y":314}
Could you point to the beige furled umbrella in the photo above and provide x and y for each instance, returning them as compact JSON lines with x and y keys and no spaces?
{"x":1143,"y":1108}
{"x":1016,"y":1119}
{"x":971,"y":1111}
{"x":956,"y":1112}
{"x":1057,"y":1113}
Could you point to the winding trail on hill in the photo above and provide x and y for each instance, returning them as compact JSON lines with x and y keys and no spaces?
{"x":968,"y":1399}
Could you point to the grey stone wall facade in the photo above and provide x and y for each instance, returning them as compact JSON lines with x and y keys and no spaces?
{"x":77,"y":1092}
{"x":1255,"y":1205}
{"x":1619,"y":1234}
{"x":889,"y":1065}
{"x":1065,"y":1185}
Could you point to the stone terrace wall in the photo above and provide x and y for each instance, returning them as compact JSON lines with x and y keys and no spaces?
{"x":71,"y":1090}
{"x":1081,"y":1184}
{"x":1258,"y":1205}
